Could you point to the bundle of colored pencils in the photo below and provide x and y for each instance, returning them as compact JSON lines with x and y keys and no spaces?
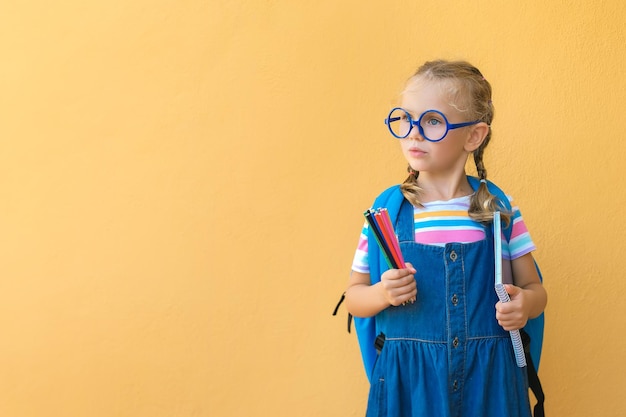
{"x":380,"y":223}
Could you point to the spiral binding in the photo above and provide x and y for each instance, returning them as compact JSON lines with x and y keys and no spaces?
{"x":516,"y":339}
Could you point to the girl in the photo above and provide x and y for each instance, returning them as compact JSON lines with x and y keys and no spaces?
{"x":446,"y":349}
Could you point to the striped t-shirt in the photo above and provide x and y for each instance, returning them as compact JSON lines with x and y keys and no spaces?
{"x":441,"y":222}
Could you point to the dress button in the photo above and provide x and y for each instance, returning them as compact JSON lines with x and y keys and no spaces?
{"x":455,"y":385}
{"x":453,"y":256}
{"x":455,"y":342}
{"x":455,"y":300}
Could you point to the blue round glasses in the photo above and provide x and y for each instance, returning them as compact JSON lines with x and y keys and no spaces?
{"x":432,"y":124}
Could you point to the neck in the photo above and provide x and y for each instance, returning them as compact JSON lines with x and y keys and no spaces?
{"x":443,"y":188}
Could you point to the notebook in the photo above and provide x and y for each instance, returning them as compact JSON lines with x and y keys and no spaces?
{"x":516,"y":339}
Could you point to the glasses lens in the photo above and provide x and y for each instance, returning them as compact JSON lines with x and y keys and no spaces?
{"x":399,"y":123}
{"x":434,"y":125}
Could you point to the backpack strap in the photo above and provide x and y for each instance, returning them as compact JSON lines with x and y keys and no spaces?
{"x":391,"y":199}
{"x":533,"y":378}
{"x":366,"y":330}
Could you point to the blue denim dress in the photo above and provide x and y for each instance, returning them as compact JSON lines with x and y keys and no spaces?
{"x":446,"y":355}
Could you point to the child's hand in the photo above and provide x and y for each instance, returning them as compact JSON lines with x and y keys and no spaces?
{"x":398,"y":285}
{"x":514,"y":314}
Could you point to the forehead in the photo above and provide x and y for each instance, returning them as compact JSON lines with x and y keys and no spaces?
{"x":427,"y":94}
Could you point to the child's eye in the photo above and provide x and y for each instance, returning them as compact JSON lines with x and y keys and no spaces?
{"x":433,"y":121}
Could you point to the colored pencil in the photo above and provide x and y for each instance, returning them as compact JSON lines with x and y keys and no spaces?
{"x":369,"y":216}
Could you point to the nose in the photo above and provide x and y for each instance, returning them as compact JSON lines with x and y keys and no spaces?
{"x":415,"y":134}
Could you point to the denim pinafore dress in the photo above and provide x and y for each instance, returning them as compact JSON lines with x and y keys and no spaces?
{"x":446,"y":355}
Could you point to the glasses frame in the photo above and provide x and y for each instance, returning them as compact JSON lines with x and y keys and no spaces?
{"x":413,"y":123}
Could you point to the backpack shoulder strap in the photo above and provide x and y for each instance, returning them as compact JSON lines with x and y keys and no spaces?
{"x":366,"y":330}
{"x":391,"y":199}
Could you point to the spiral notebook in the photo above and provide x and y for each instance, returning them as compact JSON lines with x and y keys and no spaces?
{"x":516,"y":339}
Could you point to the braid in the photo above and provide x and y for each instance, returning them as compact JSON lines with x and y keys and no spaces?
{"x":480,"y":165}
{"x":410,"y":189}
{"x":483,"y":204}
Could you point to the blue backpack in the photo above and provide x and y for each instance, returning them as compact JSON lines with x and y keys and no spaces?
{"x":367,"y":332}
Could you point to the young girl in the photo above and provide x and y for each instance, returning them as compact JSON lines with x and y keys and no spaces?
{"x":446,"y":349}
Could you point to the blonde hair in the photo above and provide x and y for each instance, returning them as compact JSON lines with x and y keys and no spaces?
{"x":470,"y":93}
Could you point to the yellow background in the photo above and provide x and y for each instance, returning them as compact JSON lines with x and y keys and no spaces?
{"x":182,"y":182}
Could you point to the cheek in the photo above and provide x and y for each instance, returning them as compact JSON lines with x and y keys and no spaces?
{"x":404,"y":147}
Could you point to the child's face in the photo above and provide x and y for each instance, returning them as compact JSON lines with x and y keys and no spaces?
{"x":450,"y":154}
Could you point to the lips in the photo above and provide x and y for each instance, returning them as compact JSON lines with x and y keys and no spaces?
{"x":416,"y":152}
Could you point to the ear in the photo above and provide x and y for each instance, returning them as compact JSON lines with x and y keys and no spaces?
{"x":477,"y":136}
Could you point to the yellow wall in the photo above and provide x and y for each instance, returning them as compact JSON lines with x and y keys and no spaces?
{"x":182,"y":185}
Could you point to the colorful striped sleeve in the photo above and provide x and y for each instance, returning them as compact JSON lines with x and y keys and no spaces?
{"x":360,"y":262}
{"x":521,"y":242}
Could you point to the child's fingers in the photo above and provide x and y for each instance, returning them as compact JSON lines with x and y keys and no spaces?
{"x":512,"y":290}
{"x":410,"y":268}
